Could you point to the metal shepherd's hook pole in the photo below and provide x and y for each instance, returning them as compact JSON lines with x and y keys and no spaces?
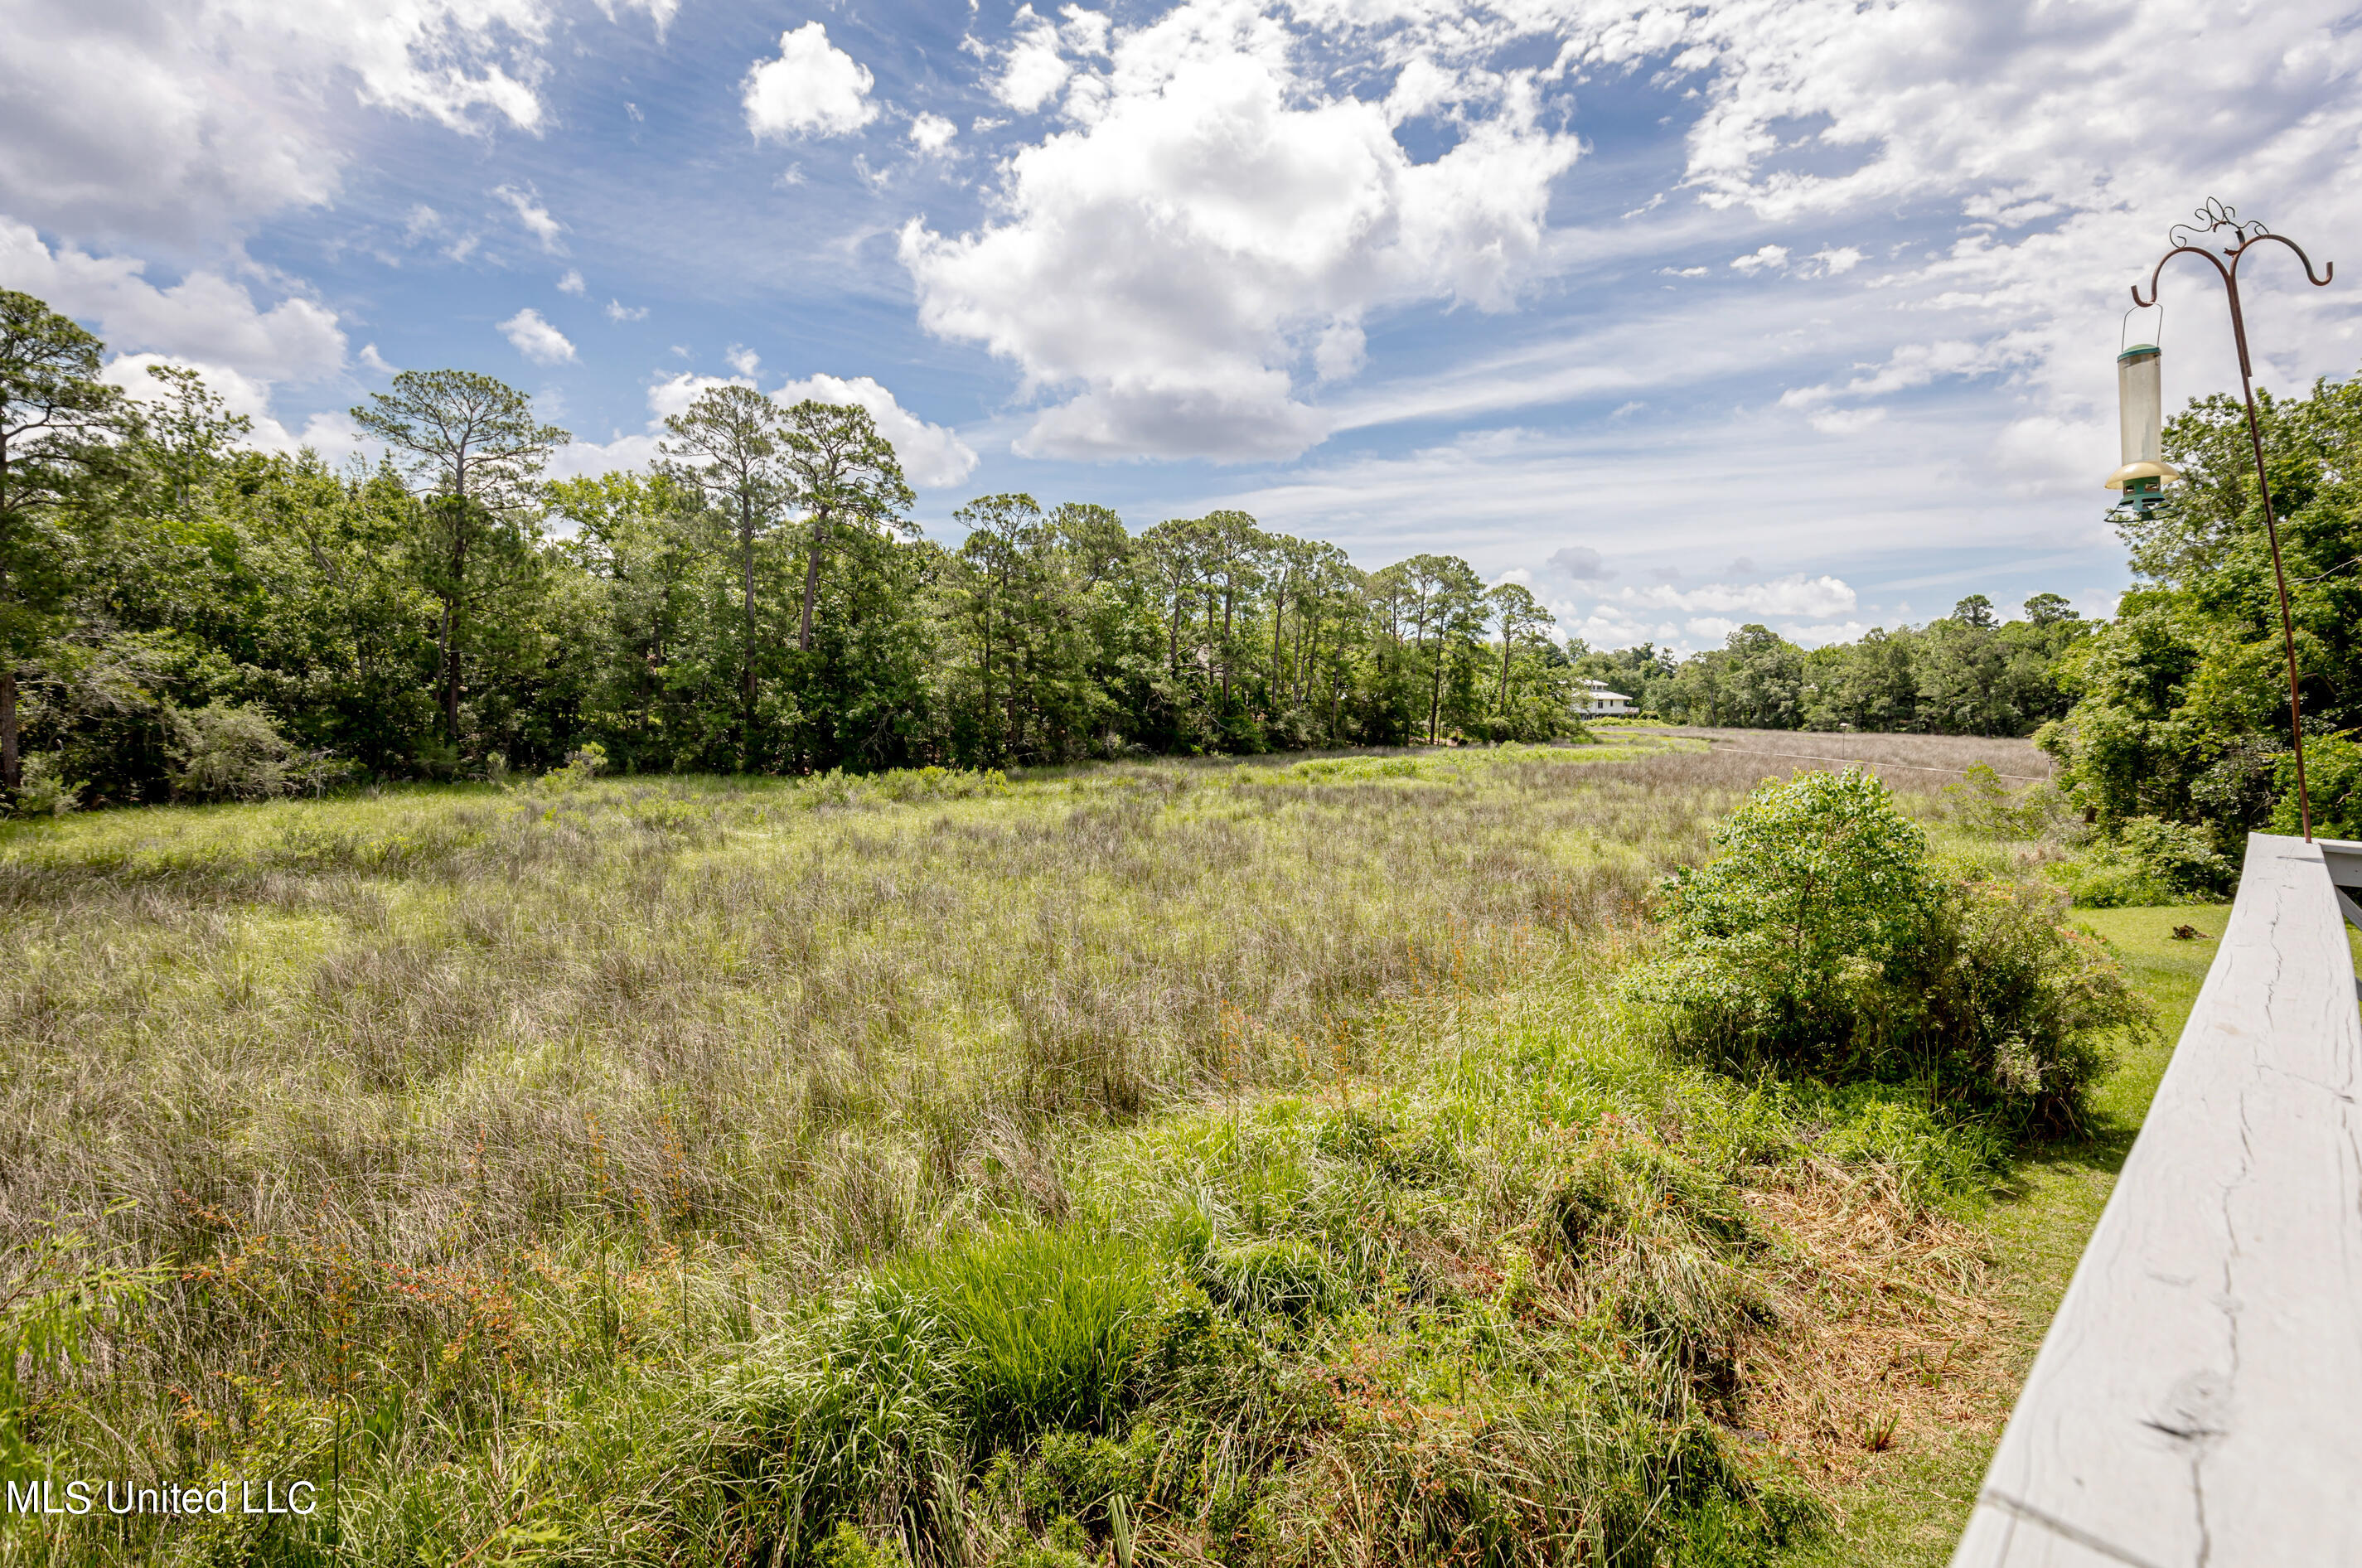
{"x":2217,"y":220}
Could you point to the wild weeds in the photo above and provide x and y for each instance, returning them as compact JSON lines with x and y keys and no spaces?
{"x":610,"y":1170}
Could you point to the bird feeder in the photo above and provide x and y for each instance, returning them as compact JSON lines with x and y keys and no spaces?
{"x":2140,"y":403}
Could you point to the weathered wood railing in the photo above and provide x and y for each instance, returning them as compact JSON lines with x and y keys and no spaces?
{"x":2198,"y":1400}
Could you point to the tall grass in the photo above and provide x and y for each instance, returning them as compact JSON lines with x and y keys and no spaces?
{"x":673,"y":1171}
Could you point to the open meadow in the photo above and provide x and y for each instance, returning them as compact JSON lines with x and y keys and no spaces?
{"x":1139,"y":1163}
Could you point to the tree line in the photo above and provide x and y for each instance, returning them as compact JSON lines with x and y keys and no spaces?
{"x":1969,"y":673}
{"x":181,"y":616}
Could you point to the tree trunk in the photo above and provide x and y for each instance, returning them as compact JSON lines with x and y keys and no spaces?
{"x":989,"y":705}
{"x":450,"y":629}
{"x":447,"y":646}
{"x":811,"y":577}
{"x":12,"y":772}
{"x":1228,"y":600}
{"x":1278,"y":640}
{"x":746,"y":666}
{"x":1503,"y":705}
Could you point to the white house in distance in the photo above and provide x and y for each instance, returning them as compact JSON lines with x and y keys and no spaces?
{"x":1596,"y":702}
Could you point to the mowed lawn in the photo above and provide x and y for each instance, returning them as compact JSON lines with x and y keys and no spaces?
{"x":461,"y":1130}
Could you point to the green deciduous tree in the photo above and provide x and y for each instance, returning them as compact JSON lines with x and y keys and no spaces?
{"x":2182,"y":702}
{"x":1823,"y":939}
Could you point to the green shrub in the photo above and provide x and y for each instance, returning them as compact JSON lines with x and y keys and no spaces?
{"x":2179,"y":855}
{"x":2332,"y":780}
{"x":932,"y":783}
{"x":1822,"y":940}
{"x":583,"y":764}
{"x":227,"y":751}
{"x":2148,"y":862}
{"x":1073,"y":1474}
{"x":2101,"y":879}
{"x":1984,"y":805}
{"x":42,"y":791}
{"x":2007,"y":1006}
{"x":1822,"y":891}
{"x":846,"y":1547}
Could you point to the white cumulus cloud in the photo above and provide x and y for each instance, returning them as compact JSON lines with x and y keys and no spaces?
{"x":537,"y":339}
{"x":333,"y":436}
{"x":933,"y":456}
{"x":932,"y":133}
{"x":813,"y":88}
{"x":180,"y":118}
{"x":1216,"y":221}
{"x":205,"y":317}
{"x":1033,"y":69}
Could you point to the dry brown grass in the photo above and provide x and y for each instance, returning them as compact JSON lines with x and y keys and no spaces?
{"x":1887,"y":1335}
{"x":1916,"y":763}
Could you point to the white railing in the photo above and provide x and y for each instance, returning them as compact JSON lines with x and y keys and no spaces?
{"x":2198,"y":1400}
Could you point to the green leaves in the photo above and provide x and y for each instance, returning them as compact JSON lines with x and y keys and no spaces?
{"x":1817,"y":878}
{"x":1823,"y":941}
{"x":2182,"y":701}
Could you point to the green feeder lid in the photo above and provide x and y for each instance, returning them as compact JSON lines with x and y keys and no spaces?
{"x":2137,"y":351}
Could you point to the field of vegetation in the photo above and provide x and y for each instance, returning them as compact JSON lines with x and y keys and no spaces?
{"x":1313,"y":1160}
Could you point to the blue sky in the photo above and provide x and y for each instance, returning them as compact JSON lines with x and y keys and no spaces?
{"x":1793,"y":311}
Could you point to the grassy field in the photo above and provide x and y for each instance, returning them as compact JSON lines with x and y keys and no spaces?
{"x":1148,"y":1162}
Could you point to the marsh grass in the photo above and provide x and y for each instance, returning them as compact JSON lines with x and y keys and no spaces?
{"x":631,"y":1170}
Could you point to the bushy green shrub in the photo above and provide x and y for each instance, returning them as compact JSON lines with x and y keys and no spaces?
{"x":846,"y":1547}
{"x":2102,"y":878}
{"x":2148,"y":862}
{"x":583,"y":764}
{"x":837,"y":788}
{"x":42,"y":789}
{"x":1822,"y":940}
{"x":1984,"y":804}
{"x":228,"y":751}
{"x":1073,"y":1474}
{"x":2180,"y":855}
{"x":1822,"y":891}
{"x":2332,"y":780}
